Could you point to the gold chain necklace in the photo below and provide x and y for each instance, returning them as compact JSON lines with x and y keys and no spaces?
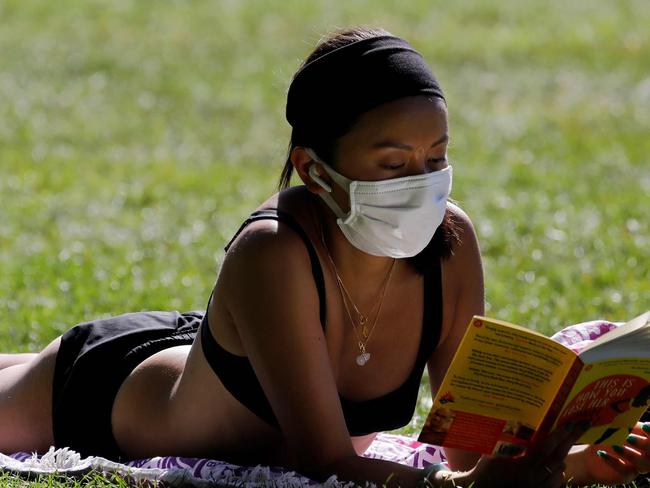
{"x":361,"y":318}
{"x":361,"y":332}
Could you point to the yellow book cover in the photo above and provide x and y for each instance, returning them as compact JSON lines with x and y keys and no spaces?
{"x":612,"y":395}
{"x":507,"y":383}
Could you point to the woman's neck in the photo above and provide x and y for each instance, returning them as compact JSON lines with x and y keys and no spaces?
{"x":356,"y":268}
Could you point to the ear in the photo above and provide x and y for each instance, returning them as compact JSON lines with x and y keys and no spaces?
{"x":302,"y":163}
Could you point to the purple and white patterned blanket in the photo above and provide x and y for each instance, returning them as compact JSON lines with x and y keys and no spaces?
{"x":195,"y":472}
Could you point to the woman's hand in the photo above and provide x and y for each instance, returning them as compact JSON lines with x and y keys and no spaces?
{"x":612,"y":465}
{"x":542,"y":466}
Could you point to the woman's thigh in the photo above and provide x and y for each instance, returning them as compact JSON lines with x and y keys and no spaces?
{"x":26,"y":402}
{"x":13,"y":359}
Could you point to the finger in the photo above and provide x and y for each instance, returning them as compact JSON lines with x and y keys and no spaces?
{"x":562,"y":449}
{"x":557,"y":444}
{"x":641,"y":429}
{"x":544,"y":445}
{"x":635,"y":452}
{"x":638,"y":442}
{"x":625,"y":470}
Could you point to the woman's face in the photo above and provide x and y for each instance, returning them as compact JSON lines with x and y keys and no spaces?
{"x":405,"y":137}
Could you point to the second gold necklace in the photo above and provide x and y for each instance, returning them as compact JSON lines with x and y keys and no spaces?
{"x":361,"y":332}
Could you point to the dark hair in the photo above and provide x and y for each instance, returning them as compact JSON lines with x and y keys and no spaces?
{"x":325,"y":146}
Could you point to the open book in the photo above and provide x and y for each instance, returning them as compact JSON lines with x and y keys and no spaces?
{"x":507,"y":384}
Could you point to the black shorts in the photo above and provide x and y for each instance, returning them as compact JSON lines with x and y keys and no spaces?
{"x":94,"y":359}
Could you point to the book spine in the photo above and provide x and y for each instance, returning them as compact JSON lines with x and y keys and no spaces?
{"x":561,"y":396}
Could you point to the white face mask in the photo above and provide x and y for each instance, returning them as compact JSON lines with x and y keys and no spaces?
{"x":395,"y":217}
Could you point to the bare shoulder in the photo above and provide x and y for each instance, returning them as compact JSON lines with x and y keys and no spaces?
{"x":466,"y":253}
{"x":463,"y":271}
{"x":262,"y":239}
{"x":463,"y":222}
{"x":266,"y":251}
{"x":268,"y":262}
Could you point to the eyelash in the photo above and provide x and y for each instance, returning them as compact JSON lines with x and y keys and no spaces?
{"x":432,"y":160}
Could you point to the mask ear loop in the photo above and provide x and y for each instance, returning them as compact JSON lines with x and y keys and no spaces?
{"x":329,"y":200}
{"x":313,"y":173}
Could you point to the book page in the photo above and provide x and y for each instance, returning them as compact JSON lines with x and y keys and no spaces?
{"x":612,"y":395}
{"x":497,"y":390}
{"x":628,"y":340}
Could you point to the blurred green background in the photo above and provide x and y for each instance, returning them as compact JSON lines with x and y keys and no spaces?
{"x":136,"y":135}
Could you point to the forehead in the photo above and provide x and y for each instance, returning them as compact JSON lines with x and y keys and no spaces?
{"x":409,"y":118}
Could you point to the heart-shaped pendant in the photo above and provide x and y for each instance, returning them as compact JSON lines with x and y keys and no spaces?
{"x":363,"y":358}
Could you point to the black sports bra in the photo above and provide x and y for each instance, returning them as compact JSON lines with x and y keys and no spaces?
{"x":387,"y":412}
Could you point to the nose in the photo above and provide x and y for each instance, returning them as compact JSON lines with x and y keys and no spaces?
{"x":418,"y":163}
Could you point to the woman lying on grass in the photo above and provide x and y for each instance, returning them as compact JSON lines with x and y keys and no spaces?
{"x":331,"y":299}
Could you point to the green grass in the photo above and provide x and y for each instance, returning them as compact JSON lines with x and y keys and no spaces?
{"x":94,"y":479}
{"x":135,"y":136}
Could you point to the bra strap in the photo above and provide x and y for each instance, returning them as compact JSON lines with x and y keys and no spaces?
{"x":285,"y":218}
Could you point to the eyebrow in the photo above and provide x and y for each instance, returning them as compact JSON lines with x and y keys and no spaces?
{"x":406,"y":147}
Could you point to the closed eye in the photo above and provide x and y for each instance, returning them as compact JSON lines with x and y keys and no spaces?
{"x":394,"y":166}
{"x":401,"y":165}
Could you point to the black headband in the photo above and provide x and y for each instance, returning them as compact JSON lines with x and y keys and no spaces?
{"x":334,"y":89}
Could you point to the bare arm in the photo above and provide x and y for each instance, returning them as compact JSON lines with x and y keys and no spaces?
{"x":463,"y":292}
{"x":545,"y":463}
